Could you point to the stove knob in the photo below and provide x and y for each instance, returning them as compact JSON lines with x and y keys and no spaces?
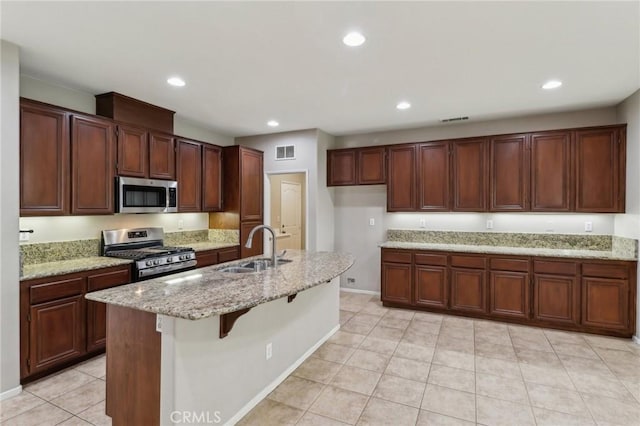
{"x":156,"y":262}
{"x":169,"y":259}
{"x":149,"y":263}
{"x":182,"y":257}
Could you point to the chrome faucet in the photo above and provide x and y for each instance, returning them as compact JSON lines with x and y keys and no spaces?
{"x":274,"y":258}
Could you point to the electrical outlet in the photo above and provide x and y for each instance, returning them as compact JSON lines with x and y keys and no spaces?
{"x":269,"y":351}
{"x":180,"y":223}
{"x":372,"y":221}
{"x":24,"y":236}
{"x":159,"y":323}
{"x":588,"y":226}
{"x":351,"y":281}
{"x":423,"y":223}
{"x":549,"y":227}
{"x":489,"y":224}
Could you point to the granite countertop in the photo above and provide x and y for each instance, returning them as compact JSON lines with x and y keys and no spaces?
{"x":207,"y":245}
{"x":207,"y":292}
{"x":41,"y":270}
{"x":524,"y":251}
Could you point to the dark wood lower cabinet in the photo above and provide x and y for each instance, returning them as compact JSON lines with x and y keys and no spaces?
{"x":509,"y":294}
{"x":213,"y":257}
{"x":468,"y":290}
{"x":431,"y":286}
{"x":396,"y":282}
{"x":605,"y":303}
{"x":58,"y":326}
{"x":556,"y":299}
{"x":568,"y":294}
{"x":56,"y":331}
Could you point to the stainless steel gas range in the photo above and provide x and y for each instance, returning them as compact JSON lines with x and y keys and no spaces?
{"x":145,"y":246}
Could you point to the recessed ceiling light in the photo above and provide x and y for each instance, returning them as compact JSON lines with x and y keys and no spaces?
{"x":403,"y":105}
{"x":176,"y":81}
{"x":353,"y":39}
{"x":272,"y":123}
{"x":552,"y":84}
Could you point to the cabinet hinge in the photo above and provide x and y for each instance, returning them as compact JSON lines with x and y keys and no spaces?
{"x":28,"y":363}
{"x":29,"y":317}
{"x":117,"y":131}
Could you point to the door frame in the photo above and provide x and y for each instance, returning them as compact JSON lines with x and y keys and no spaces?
{"x":267,"y":203}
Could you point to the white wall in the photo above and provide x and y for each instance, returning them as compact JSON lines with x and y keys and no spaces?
{"x":69,"y":228}
{"x":628,"y":224}
{"x":9,"y":201}
{"x":203,"y":373}
{"x":354,"y":206}
{"x":305,"y":142}
{"x":325,"y":223}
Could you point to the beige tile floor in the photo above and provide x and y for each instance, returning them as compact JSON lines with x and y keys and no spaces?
{"x":399,"y":367}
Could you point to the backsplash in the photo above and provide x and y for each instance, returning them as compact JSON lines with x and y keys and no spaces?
{"x":555,"y":241}
{"x":231,"y":236}
{"x":68,"y":250}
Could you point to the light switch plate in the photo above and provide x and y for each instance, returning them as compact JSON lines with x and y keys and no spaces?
{"x":372,"y":222}
{"x":588,"y":226}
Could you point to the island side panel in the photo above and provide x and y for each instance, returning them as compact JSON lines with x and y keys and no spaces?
{"x":221,"y":379}
{"x":133,"y":367}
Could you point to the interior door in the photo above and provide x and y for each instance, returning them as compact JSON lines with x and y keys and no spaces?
{"x":291,"y":212}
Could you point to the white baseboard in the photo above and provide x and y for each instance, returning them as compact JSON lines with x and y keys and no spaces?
{"x":356,"y":290}
{"x":636,"y":340}
{"x":11,"y":392}
{"x":271,"y":386}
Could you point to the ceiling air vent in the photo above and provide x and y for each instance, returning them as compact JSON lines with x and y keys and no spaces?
{"x":286,"y":152}
{"x":454,"y":119}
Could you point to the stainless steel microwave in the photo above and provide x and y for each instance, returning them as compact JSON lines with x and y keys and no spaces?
{"x":135,"y":195}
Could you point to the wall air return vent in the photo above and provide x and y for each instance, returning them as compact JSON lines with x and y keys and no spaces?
{"x":454,"y":119}
{"x":285,"y":152}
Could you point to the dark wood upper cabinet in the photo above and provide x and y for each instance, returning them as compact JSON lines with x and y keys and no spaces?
{"x":211,"y":178}
{"x":356,"y":166}
{"x":371,"y":166}
{"x":551,"y":172}
{"x":257,"y":241}
{"x":44,"y":160}
{"x":133,"y":151}
{"x":401,"y":178}
{"x":434,"y":179}
{"x":189,"y":169}
{"x":600,"y":170}
{"x":341,"y":167}
{"x":92,"y":165}
{"x":162,"y":164}
{"x":469,"y":174}
{"x":251,"y":185}
{"x":509,"y":173}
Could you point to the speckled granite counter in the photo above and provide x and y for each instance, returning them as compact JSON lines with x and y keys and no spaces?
{"x":207,"y":292}
{"x":41,"y":270}
{"x":208,"y":245}
{"x":523,"y":251}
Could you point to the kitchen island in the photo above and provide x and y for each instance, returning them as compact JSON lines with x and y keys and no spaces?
{"x":225,"y":340}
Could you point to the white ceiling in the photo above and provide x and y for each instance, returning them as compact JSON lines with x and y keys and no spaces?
{"x":246,"y":63}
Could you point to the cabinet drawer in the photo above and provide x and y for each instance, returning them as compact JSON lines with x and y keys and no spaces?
{"x":108,"y":279}
{"x":506,"y":264}
{"x":207,"y":258}
{"x":396,"y":256}
{"x":555,"y":267}
{"x":604,"y":270}
{"x":474,"y":262}
{"x":431,"y":259}
{"x":227,"y":255}
{"x":56,"y":290}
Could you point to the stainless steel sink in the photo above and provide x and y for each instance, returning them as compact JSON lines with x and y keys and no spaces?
{"x":256,"y":265}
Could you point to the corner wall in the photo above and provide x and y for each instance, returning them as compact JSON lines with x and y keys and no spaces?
{"x":628,"y":224}
{"x":9,"y":201}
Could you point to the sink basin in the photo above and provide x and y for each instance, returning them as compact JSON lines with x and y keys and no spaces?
{"x":253,"y":266}
{"x":237,"y":269}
